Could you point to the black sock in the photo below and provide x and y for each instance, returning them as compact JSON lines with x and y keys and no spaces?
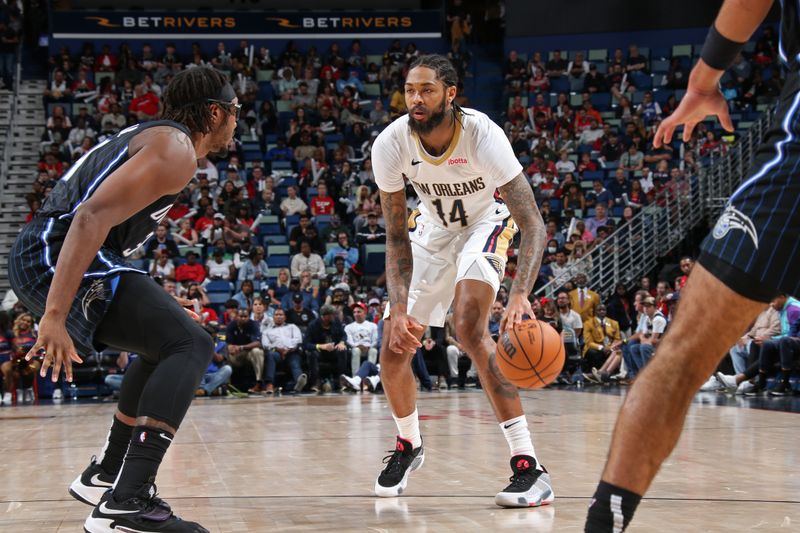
{"x":147,"y":448}
{"x":611,"y":509}
{"x":119,"y":436}
{"x":785,"y":375}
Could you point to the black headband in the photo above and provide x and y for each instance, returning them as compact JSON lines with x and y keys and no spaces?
{"x":226,"y":93}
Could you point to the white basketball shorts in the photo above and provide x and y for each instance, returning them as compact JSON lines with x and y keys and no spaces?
{"x":443,"y":257}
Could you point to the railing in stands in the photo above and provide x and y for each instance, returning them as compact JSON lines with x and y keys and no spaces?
{"x":12,"y":125}
{"x":635,"y":247}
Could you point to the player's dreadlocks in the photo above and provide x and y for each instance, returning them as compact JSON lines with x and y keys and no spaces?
{"x":186,"y":97}
{"x":445,"y":72}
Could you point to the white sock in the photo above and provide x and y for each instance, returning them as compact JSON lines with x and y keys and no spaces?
{"x":518,"y":437}
{"x":408,"y":427}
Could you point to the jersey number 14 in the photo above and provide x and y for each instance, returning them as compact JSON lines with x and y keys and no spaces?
{"x":457,"y":213}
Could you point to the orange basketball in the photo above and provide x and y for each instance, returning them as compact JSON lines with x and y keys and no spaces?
{"x":531,"y":355}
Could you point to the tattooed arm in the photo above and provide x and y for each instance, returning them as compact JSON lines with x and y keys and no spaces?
{"x":399,"y":266}
{"x":519,"y":198}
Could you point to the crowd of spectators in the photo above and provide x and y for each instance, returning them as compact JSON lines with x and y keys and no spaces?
{"x":279,"y":243}
{"x":582,"y":124}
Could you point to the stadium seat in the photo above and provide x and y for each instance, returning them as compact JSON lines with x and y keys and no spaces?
{"x":598,"y":54}
{"x":601,"y":101}
{"x":278,"y":261}
{"x":269,"y":240}
{"x":682,"y":50}
{"x":278,"y":249}
{"x":559,"y":85}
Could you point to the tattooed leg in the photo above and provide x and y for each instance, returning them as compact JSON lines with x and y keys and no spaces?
{"x":472,"y":303}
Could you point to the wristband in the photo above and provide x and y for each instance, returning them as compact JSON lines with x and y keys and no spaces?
{"x":719,"y":51}
{"x":316,"y":347}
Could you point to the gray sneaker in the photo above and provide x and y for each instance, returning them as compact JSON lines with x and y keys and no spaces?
{"x":530,"y":486}
{"x":302,"y":379}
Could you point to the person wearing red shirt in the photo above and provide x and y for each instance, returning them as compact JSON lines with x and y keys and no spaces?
{"x":540,"y":106}
{"x":52,"y":166}
{"x":686,"y":265}
{"x":583,"y":118}
{"x":517,"y":111}
{"x":106,"y":62}
{"x":586,"y":163}
{"x":145,"y":105}
{"x":322,"y":204}
{"x":205,"y":220}
{"x":243,"y":216}
{"x":191,"y":270}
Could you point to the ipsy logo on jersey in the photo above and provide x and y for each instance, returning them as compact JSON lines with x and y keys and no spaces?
{"x":732,"y":219}
{"x":457,"y":161}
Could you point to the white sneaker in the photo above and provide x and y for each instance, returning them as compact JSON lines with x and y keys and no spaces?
{"x":373,"y":382}
{"x":353,"y":384}
{"x":711,"y":385}
{"x":28,"y":395}
{"x":58,"y":395}
{"x":729,"y":382}
{"x":745,"y":387}
{"x":6,"y":398}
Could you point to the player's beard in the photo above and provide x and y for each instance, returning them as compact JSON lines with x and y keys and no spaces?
{"x":436,"y":117}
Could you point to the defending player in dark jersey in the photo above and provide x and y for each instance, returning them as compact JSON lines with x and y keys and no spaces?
{"x":68,"y":265}
{"x":750,"y":257}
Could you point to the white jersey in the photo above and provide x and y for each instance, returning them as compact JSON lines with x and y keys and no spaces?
{"x":457,"y":188}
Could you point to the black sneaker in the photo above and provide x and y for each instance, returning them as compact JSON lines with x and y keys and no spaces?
{"x":90,"y":486}
{"x":403,"y":460}
{"x":784,"y":388}
{"x":143,"y":513}
{"x":530,"y":486}
{"x":759,"y":386}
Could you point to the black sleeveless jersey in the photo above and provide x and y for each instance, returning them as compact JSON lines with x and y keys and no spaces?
{"x":85,"y":176}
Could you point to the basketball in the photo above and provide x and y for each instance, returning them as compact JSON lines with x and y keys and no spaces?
{"x":532,"y":355}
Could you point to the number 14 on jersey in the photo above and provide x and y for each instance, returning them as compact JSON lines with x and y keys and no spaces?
{"x":457,"y":213}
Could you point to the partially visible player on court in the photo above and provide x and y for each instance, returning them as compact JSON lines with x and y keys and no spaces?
{"x":453,"y":246}
{"x":751,"y":256}
{"x":68,"y":265}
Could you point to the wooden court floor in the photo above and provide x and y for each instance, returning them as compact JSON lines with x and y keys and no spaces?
{"x":309,"y":463}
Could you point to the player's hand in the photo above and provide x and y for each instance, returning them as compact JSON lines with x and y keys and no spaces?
{"x":694,"y":108}
{"x":406,"y":331}
{"x":56,"y":348}
{"x":518,"y":305}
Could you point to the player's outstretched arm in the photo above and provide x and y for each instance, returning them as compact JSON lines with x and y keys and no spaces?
{"x":518,"y":196}
{"x":162,"y":166}
{"x":399,"y":266}
{"x":735,"y":23}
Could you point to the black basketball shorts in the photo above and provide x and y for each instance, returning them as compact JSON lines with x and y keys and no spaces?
{"x":754,"y":247}
{"x":31,"y":269}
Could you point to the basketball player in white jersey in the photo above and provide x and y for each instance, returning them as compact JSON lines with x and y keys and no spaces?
{"x":453,"y":246}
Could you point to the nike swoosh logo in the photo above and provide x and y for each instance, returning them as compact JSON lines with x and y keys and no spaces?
{"x":95,"y":480}
{"x":511,"y":424}
{"x":414,"y":163}
{"x":105,"y":510}
{"x":163,"y":436}
{"x":496,"y":211}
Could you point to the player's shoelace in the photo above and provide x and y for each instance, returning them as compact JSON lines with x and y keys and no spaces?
{"x":152,"y":506}
{"x":394,"y":463}
{"x":523,"y":480}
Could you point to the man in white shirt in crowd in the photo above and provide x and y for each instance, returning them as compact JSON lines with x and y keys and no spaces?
{"x":362,"y":337}
{"x":652,"y":325}
{"x":571,"y":333}
{"x":292,"y":205}
{"x":306,"y":260}
{"x":282,"y":342}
